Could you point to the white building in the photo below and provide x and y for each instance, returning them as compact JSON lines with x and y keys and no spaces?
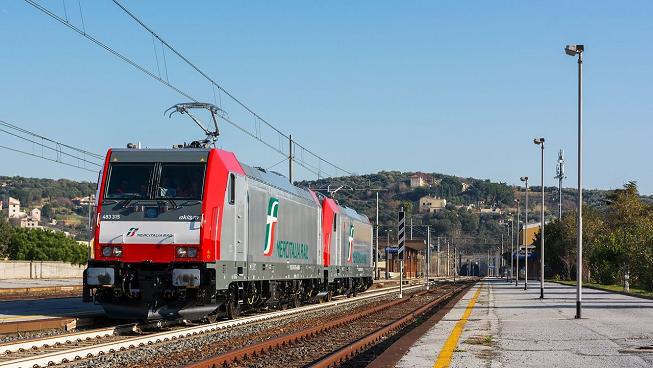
{"x":29,"y":224}
{"x":431,"y":204}
{"x":13,"y":208}
{"x":36,"y":214}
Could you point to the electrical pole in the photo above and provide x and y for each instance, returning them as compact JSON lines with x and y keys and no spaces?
{"x":428,"y":254}
{"x":290,"y":158}
{"x":525,"y":179}
{"x":377,"y":274}
{"x":518,"y":242}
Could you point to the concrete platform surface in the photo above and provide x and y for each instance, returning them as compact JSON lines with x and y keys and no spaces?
{"x":510,"y":327}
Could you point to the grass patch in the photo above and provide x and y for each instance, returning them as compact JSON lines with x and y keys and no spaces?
{"x":480,"y":340}
{"x":634,"y":291}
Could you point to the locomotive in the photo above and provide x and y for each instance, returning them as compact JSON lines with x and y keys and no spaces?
{"x":193,"y":233}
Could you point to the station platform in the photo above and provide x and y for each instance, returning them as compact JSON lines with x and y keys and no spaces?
{"x":35,"y":304}
{"x":497,"y":324}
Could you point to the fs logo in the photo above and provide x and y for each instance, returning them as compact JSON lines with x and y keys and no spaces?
{"x":271,"y":226}
{"x":351,"y":243}
{"x":132,"y":232}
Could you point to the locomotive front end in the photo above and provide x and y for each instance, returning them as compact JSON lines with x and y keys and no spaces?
{"x":148,"y":261}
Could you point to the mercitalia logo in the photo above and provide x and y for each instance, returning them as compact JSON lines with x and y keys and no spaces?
{"x":271,"y":226}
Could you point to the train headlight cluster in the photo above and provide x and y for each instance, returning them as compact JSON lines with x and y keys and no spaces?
{"x":112,"y":251}
{"x":186,"y":252}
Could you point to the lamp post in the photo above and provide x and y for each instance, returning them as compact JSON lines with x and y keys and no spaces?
{"x":518,"y":242}
{"x":525,"y":179}
{"x":540,"y":141}
{"x":577,"y":50}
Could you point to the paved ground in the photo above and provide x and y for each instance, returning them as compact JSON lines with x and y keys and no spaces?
{"x":31,"y":283}
{"x":510,"y":327}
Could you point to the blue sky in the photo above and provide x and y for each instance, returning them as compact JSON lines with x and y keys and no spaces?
{"x":457,"y":87}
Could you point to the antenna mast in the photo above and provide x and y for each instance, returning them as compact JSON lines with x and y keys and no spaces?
{"x":560,"y":174}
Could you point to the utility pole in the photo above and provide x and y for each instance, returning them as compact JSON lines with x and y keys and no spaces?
{"x":290,"y":158}
{"x":428,"y":254}
{"x":525,"y":179}
{"x":518,"y":242}
{"x":438,"y":264}
{"x":501,"y":257}
{"x":377,"y":274}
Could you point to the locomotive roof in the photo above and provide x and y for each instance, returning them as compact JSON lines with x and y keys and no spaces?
{"x":276,"y":180}
{"x":159,"y":155}
{"x":355,"y":215}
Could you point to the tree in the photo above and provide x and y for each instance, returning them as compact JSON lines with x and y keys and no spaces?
{"x":6,"y":232}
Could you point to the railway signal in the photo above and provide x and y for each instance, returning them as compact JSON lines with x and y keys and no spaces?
{"x":401,"y":239}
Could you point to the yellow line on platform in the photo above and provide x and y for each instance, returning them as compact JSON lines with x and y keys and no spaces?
{"x":444,"y":358}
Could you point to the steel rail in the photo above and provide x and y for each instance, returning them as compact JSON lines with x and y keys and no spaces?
{"x":77,"y":353}
{"x":345,"y":353}
{"x":236,"y":356}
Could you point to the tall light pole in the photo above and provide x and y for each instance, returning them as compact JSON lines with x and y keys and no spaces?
{"x":573,"y":50}
{"x":540,"y":141}
{"x":518,"y":241}
{"x":525,"y":179}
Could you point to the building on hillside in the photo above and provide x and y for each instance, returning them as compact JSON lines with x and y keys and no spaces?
{"x":420,"y":180}
{"x":13,"y":208}
{"x":84,"y":201}
{"x":35,"y":214}
{"x":465,"y":186}
{"x":493,"y":211}
{"x":431,"y":204}
{"x":28,"y":223}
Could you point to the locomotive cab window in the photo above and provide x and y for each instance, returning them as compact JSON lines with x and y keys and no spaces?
{"x":181,"y":181}
{"x":129,"y":180}
{"x":232,"y":189}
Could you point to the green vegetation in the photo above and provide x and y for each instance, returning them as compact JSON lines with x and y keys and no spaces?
{"x":618,"y":288}
{"x":466,"y":225}
{"x":617,"y":241}
{"x":54,"y":198}
{"x":40,"y":245}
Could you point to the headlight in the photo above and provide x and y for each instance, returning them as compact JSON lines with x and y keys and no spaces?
{"x":182,"y":252}
{"x":117,"y":251}
{"x":107,"y":251}
{"x":192,"y":252}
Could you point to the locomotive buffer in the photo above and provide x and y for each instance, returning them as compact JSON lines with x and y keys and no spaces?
{"x":401,"y":238}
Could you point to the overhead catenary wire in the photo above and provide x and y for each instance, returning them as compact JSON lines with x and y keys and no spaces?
{"x":311,"y":168}
{"x":81,"y":158}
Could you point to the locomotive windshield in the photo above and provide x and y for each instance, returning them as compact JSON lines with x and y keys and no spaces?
{"x":181,"y":181}
{"x":129,"y":180}
{"x":172,"y":181}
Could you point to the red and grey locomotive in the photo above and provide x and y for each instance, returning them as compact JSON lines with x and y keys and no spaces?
{"x":193,"y":233}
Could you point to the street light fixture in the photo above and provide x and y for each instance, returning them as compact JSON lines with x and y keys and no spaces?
{"x":577,"y":50}
{"x":540,"y":141}
{"x":525,"y":179}
{"x":518,"y":241}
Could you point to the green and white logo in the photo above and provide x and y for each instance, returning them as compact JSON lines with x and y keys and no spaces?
{"x":351,"y":244}
{"x":271,"y":226}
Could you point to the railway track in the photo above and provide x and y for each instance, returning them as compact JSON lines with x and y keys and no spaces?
{"x":78,"y":346}
{"x":336,"y":341}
